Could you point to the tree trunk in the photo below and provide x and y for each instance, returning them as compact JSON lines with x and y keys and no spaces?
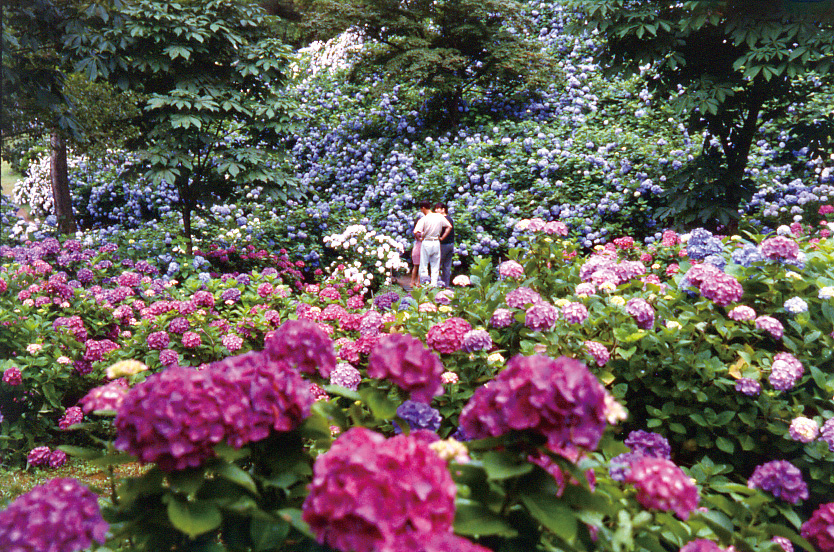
{"x":185,"y":204}
{"x":60,"y":185}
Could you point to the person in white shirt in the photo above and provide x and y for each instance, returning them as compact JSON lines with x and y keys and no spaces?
{"x":432,"y":227}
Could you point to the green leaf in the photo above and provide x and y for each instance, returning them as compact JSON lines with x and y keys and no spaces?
{"x":237,"y":475}
{"x":381,"y":406}
{"x":474,"y":519}
{"x":268,"y":534}
{"x":552,"y":513}
{"x":293,"y":517}
{"x":186,"y":481}
{"x":504,"y":465}
{"x":194,"y":518}
{"x":725,"y":445}
{"x":80,"y":452}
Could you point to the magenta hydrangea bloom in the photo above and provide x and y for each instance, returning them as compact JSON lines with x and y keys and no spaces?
{"x":520,"y":297}
{"x":662,"y":485}
{"x":437,"y":542}
{"x":779,"y":248}
{"x":598,"y":351}
{"x":191,"y":340}
{"x":701,"y":545}
{"x":559,"y":399}
{"x":575,"y":313}
{"x":302,"y":344}
{"x":57,"y":458}
{"x":771,"y":326}
{"x":827,"y":433}
{"x":477,"y":340}
{"x":780,"y":478}
{"x":12,"y":376}
{"x":38,"y":456}
{"x":447,"y":336}
{"x":720,"y":288}
{"x":501,"y":318}
{"x":405,"y":361}
{"x":179,"y":325}
{"x":819,"y":530}
{"x":73,"y":415}
{"x":61,"y":515}
{"x":785,"y":371}
{"x":158,"y":340}
{"x":105,"y":397}
{"x":642,"y":312}
{"x":368,"y":493}
{"x":510,"y":269}
{"x":786,"y":545}
{"x":541,"y":317}
{"x":168,"y":357}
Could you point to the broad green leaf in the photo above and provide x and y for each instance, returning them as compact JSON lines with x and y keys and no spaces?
{"x":504,"y":465}
{"x":194,"y":518}
{"x":474,"y":519}
{"x":552,"y":513}
{"x":237,"y":475}
{"x":268,"y":534}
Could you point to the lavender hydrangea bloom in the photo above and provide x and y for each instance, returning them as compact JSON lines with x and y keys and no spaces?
{"x":501,"y":318}
{"x":782,"y":479}
{"x":702,"y":244}
{"x":620,"y":466}
{"x":771,"y":326}
{"x":477,"y":340}
{"x":230,"y":295}
{"x":520,"y":297}
{"x":642,"y":312}
{"x":418,"y":415}
{"x":827,"y":433}
{"x":59,"y":516}
{"x":648,"y":444}
{"x":747,"y":255}
{"x":384,"y":301}
{"x":785,"y":371}
{"x":345,"y":375}
{"x":575,"y":313}
{"x":749,"y":387}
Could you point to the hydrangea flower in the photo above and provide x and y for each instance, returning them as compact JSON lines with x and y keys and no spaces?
{"x":302,"y":344}
{"x":510,"y":269}
{"x":405,"y":361}
{"x":73,"y":415}
{"x":662,"y":485}
{"x":721,"y":288}
{"x":803,"y":429}
{"x":598,"y":351}
{"x":38,"y":456}
{"x":345,"y":375}
{"x":368,"y":493}
{"x":742,"y":313}
{"x":819,"y":530}
{"x":558,"y":399}
{"x":779,"y":248}
{"x":370,"y":323}
{"x":701,"y":545}
{"x":786,"y":545}
{"x":158,"y":340}
{"x":785,"y":371}
{"x":191,"y":340}
{"x":747,"y":255}
{"x":522,"y":296}
{"x":770,"y":325}
{"x":59,"y":516}
{"x":437,"y":542}
{"x":168,"y":357}
{"x":418,"y":415}
{"x":477,"y":340}
{"x":749,"y":387}
{"x":796,"y":305}
{"x":501,"y":318}
{"x":702,"y":244}
{"x":384,"y":301}
{"x":642,"y":312}
{"x":105,"y":397}
{"x":57,"y":458}
{"x":780,"y":478}
{"x":648,"y":444}
{"x":461,"y":280}
{"x":12,"y":376}
{"x":827,"y":433}
{"x":447,"y":336}
{"x":541,"y":317}
{"x":575,"y":313}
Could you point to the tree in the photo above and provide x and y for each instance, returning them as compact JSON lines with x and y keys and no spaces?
{"x":42,"y":40}
{"x":728,"y":66}
{"x":448,"y":46}
{"x":208,"y":73}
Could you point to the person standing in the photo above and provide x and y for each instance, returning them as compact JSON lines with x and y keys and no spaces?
{"x":447,"y":246}
{"x":415,"y":259}
{"x":432,"y":227}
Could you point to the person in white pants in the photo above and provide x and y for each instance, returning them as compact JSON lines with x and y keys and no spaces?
{"x":433,"y":227}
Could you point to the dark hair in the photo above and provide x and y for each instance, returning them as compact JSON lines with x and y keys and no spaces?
{"x":425,"y":205}
{"x":441,"y":205}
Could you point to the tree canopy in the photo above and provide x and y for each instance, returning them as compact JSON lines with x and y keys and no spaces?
{"x":727,"y":66}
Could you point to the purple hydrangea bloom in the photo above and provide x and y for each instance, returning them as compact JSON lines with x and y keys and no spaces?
{"x":384,"y":301}
{"x":477,"y":340}
{"x":749,"y":387}
{"x":648,"y":444}
{"x":168,"y":357}
{"x":369,"y":492}
{"x":558,"y":399}
{"x":702,"y":244}
{"x":405,"y":361}
{"x":231,"y":294}
{"x":575,"y":313}
{"x":38,"y":456}
{"x":780,"y":478}
{"x":59,"y":516}
{"x":620,"y":466}
{"x":179,"y":325}
{"x":518,"y":298}
{"x":345,"y":375}
{"x":371,"y":323}
{"x":827,"y":433}
{"x":302,"y":344}
{"x":818,"y":529}
{"x":747,"y":255}
{"x":785,"y":371}
{"x":158,"y":340}
{"x":501,"y":318}
{"x":598,"y":351}
{"x":663,"y":486}
{"x":541,"y":317}
{"x":642,"y":312}
{"x":418,"y":415}
{"x":57,"y":458}
{"x":73,"y":415}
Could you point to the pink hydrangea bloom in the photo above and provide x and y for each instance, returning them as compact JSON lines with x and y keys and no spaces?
{"x":368,"y":493}
{"x":501,"y":318}
{"x":771,"y":326}
{"x":721,"y":288}
{"x":559,"y":399}
{"x":742,"y":313}
{"x":73,"y":415}
{"x":598,"y":351}
{"x":38,"y":456}
{"x":191,"y":340}
{"x":405,"y":361}
{"x":158,"y":340}
{"x":232,"y":342}
{"x":663,"y":486}
{"x":105,"y":397}
{"x":803,"y":429}
{"x":510,"y":269}
{"x":556,"y":227}
{"x":779,"y":248}
{"x":447,"y":336}
{"x":642,"y":312}
{"x":12,"y":376}
{"x":785,"y":371}
{"x":304,"y":345}
{"x":701,"y":545}
{"x":541,"y":317}
{"x":575,"y":313}
{"x":518,"y":298}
